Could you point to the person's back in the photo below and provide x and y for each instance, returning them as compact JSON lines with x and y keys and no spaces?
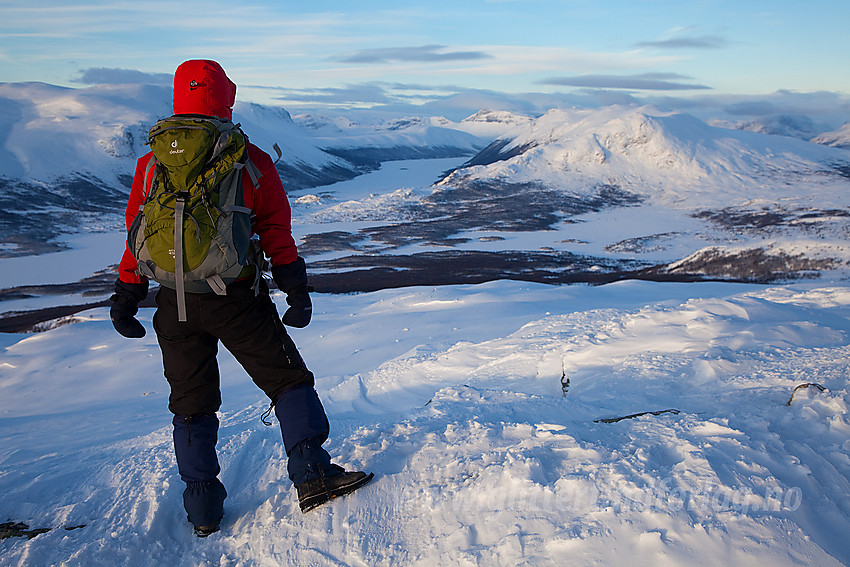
{"x":244,"y":319}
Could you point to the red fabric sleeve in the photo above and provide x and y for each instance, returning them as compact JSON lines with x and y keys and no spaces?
{"x":127,"y":269}
{"x":273,"y":222}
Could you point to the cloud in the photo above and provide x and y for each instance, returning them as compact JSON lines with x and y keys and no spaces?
{"x":828,"y":108}
{"x":644,"y":82}
{"x":370,"y":94}
{"x":421,"y":54}
{"x":452,"y":101}
{"x":696,"y":42}
{"x":457,"y":102}
{"x":752,"y":108}
{"x":111,"y":76}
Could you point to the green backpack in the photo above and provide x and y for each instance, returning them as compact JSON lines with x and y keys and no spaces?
{"x":195,"y":209}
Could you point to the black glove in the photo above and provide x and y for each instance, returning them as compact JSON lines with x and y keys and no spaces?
{"x":300,"y":307}
{"x":125,"y":305}
{"x":292,"y":280}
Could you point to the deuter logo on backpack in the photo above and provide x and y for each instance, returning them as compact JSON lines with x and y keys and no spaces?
{"x":193,"y":232}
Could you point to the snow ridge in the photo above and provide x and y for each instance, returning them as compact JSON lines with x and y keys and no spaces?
{"x":480,"y":457}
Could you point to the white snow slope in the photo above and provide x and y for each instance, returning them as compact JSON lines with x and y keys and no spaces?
{"x":49,"y":132}
{"x":839,"y":138}
{"x":453,"y":397}
{"x":674,"y":159}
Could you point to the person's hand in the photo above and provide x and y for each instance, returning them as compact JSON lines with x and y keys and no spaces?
{"x":125,"y":305}
{"x":300,"y":307}
{"x":292,"y":280}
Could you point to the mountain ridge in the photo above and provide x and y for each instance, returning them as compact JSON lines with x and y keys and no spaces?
{"x":68,"y":154}
{"x":623,"y":188}
{"x":647,"y":151}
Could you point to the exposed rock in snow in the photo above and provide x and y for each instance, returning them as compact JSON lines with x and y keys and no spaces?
{"x":839,"y":138}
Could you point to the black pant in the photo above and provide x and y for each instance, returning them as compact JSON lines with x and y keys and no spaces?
{"x":248,"y":325}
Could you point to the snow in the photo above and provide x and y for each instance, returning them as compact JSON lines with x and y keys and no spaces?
{"x":839,"y":138}
{"x":87,"y":253}
{"x":675,"y":159}
{"x":507,"y":423}
{"x":381,"y":195}
{"x":49,"y":133}
{"x":453,"y":397}
{"x":102,"y":129}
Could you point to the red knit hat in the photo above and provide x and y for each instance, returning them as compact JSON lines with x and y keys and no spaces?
{"x":202,"y":87}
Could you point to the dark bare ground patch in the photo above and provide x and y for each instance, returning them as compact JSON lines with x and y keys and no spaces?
{"x":372,"y":272}
{"x":445,"y":219}
{"x":748,"y":221}
{"x":20,"y":529}
{"x":333,"y":241}
{"x":755,"y":265}
{"x":442,"y":218}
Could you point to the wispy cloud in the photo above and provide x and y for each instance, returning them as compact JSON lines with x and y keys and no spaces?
{"x":401,"y":97}
{"x":686,"y":37}
{"x":684,"y":42}
{"x":457,"y":101}
{"x":370,"y":94}
{"x":107,"y":76}
{"x":422,"y":54}
{"x":829,"y":108}
{"x":644,"y":82}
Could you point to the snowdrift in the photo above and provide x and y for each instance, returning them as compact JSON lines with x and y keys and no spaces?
{"x":506,"y":423}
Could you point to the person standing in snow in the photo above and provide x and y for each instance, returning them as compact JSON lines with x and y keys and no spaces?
{"x":244,"y":321}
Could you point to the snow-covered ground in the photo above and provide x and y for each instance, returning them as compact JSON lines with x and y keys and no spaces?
{"x":490,"y":414}
{"x":453,"y":397}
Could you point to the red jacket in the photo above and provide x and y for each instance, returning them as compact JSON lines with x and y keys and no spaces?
{"x":201,"y":87}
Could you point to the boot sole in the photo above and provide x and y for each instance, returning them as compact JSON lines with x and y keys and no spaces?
{"x":317,"y":500}
{"x":206,"y":531}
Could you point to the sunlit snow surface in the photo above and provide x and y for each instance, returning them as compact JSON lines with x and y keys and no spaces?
{"x":453,"y":397}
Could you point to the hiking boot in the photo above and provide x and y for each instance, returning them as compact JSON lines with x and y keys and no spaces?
{"x":204,"y":531}
{"x":316,"y":492}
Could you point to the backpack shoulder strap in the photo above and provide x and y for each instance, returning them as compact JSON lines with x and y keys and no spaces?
{"x":150,"y":166}
{"x":253,"y":171}
{"x":225,"y":129}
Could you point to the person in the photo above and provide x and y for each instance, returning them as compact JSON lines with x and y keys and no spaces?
{"x":245,"y":321}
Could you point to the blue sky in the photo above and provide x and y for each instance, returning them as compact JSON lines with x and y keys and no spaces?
{"x":393,"y":54}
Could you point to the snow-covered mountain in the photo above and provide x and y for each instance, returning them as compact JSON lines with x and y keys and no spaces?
{"x":53,"y":134}
{"x":662,"y":187}
{"x":595,"y":195}
{"x":839,"y":138}
{"x":668,"y":157}
{"x":684,"y":197}
{"x":67,"y":155}
{"x":495,"y":122}
{"x":792,"y":125}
